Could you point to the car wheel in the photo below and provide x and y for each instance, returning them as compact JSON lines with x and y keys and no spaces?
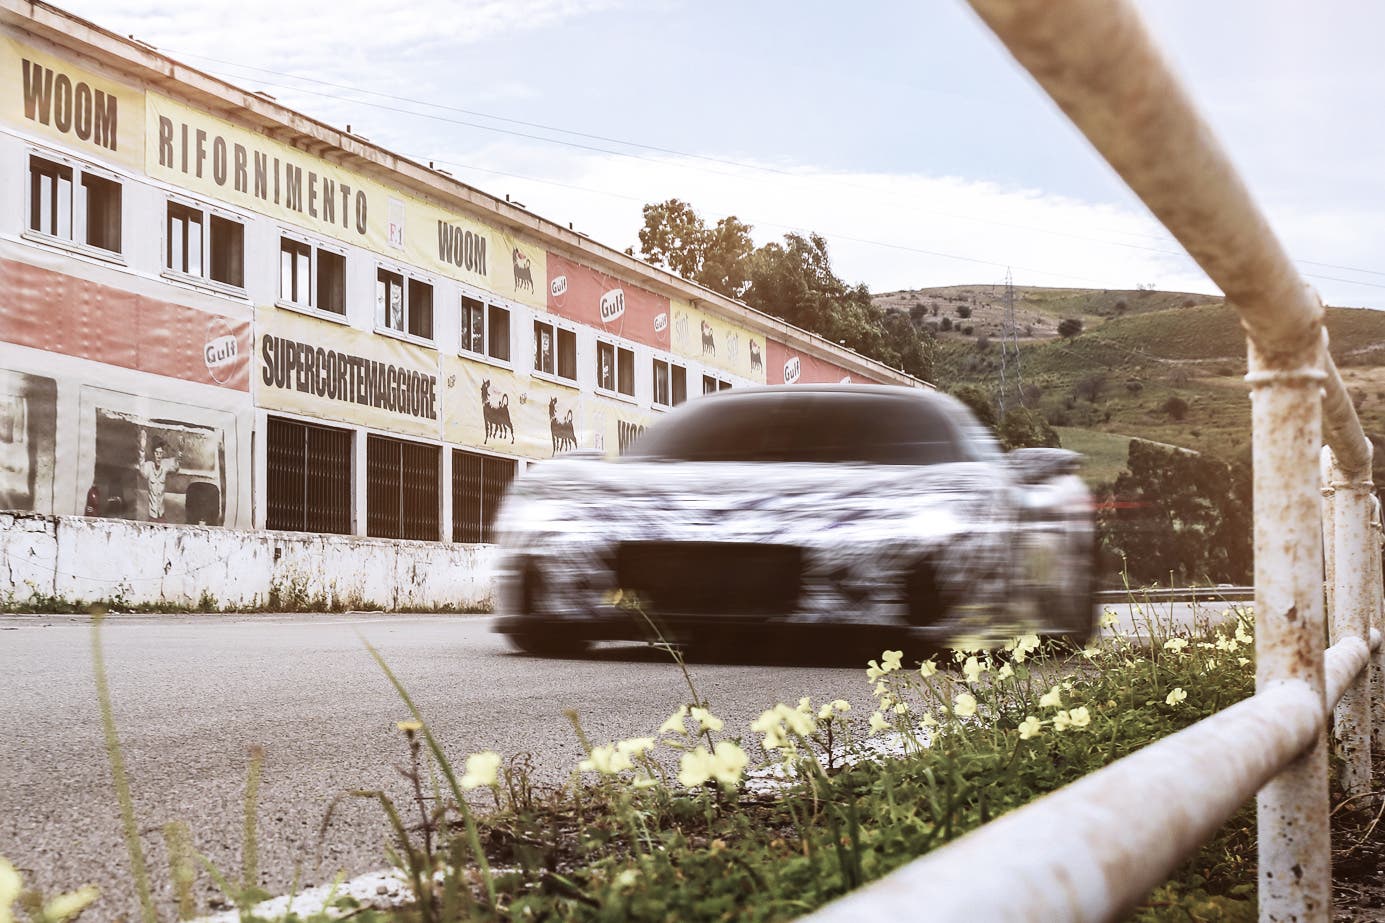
{"x":927,"y":601}
{"x":546,"y":641}
{"x":1076,"y":616}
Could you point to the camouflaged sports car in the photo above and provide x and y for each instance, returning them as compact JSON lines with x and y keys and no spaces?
{"x":855,"y":505}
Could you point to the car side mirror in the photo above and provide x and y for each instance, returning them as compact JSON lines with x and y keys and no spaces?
{"x":1031,"y":466}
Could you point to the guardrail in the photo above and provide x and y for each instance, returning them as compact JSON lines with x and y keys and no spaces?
{"x":1092,"y":850}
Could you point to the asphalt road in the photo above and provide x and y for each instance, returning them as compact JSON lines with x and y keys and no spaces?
{"x":192,"y":694}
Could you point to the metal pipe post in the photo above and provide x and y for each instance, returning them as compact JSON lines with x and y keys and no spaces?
{"x":1286,"y":431}
{"x":1377,"y":621}
{"x":1353,"y":591}
{"x":1329,"y":530}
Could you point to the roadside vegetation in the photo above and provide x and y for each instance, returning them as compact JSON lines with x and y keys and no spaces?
{"x":702,"y":821}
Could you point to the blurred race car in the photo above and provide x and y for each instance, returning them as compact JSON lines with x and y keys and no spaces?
{"x":858,"y":505}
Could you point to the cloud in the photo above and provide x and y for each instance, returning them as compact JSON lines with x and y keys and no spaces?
{"x":897,"y":231}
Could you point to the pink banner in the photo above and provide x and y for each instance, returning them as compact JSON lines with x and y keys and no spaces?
{"x":607,"y":303}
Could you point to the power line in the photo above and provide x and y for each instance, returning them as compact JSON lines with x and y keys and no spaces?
{"x":743,"y":165}
{"x":725,"y":161}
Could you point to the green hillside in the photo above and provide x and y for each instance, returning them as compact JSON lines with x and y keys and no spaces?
{"x":1171,"y":375}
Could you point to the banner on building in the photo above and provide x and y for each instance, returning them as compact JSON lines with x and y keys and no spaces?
{"x":215,"y":158}
{"x":53,"y":311}
{"x":790,"y":367}
{"x":324,"y":369}
{"x":717,"y":343}
{"x":54,"y":99}
{"x":489,"y":407}
{"x":607,"y":303}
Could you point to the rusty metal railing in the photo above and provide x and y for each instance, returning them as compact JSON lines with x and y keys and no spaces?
{"x":1092,"y":850}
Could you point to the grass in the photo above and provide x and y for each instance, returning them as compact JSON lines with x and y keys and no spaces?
{"x":1118,"y":376}
{"x":1104,"y":453}
{"x":670,"y":825}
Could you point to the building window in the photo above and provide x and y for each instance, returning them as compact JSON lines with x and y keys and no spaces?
{"x":311,"y":276}
{"x":711,"y":384}
{"x":73,"y":204}
{"x":661,"y":382}
{"x":404,"y":304}
{"x":402,"y":490}
{"x":485,"y":329}
{"x":615,"y":368}
{"x":205,"y":244}
{"x":555,"y":350}
{"x":679,"y":376}
{"x":670,"y":383}
{"x":477,"y":484}
{"x":308,"y":477}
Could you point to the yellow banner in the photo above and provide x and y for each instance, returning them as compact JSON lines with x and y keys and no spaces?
{"x":328,"y":370}
{"x":494,"y":408}
{"x":717,"y":343}
{"x":215,"y":158}
{"x":467,"y":250}
{"x":55,"y":99}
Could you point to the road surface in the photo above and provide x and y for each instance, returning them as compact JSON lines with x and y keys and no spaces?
{"x":193,"y":693}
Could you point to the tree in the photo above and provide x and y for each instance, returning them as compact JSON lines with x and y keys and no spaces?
{"x":1024,"y":428}
{"x":792,"y":280}
{"x":1175,"y":407}
{"x":1069,"y":327}
{"x":979,"y":402}
{"x":964,"y":311}
{"x":674,"y":237}
{"x":1179,"y":513}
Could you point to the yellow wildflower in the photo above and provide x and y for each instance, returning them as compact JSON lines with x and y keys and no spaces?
{"x":1062,"y":721}
{"x":1109,"y":619}
{"x":1024,"y":646}
{"x":1242,"y":635}
{"x":825,"y":713}
{"x":68,"y":905}
{"x":481,"y":770}
{"x":409,"y":727}
{"x":874,"y":671}
{"x":928,"y":668}
{"x":674,"y":724}
{"x":878,"y":723}
{"x":706,"y":721}
{"x":964,"y":706}
{"x":1080,"y":717}
{"x":695,"y":767}
{"x":1053,"y":698}
{"x":606,"y":760}
{"x":1176,"y":697}
{"x":635,"y":746}
{"x":1005,"y":672}
{"x":1243,"y":661}
{"x":890,"y":660}
{"x":10,"y":886}
{"x":973,"y":669}
{"x":1029,"y":727}
{"x":1091,"y":653}
{"x":798,"y":722}
{"x":1176,"y":645}
{"x":841,"y":705}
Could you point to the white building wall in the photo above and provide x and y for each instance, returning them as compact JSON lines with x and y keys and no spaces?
{"x":78,"y":560}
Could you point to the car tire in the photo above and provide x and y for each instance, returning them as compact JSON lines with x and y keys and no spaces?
{"x":1078,"y":618}
{"x":546,"y":641}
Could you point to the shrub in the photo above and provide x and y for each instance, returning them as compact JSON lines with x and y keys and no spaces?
{"x":1175,"y":407}
{"x":1069,"y":327}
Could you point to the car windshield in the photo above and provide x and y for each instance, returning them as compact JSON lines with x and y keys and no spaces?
{"x":828,"y":427}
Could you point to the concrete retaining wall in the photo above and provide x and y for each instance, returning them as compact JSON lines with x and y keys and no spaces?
{"x":75,"y":559}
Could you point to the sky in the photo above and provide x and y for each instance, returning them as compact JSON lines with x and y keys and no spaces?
{"x":900,"y":131}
